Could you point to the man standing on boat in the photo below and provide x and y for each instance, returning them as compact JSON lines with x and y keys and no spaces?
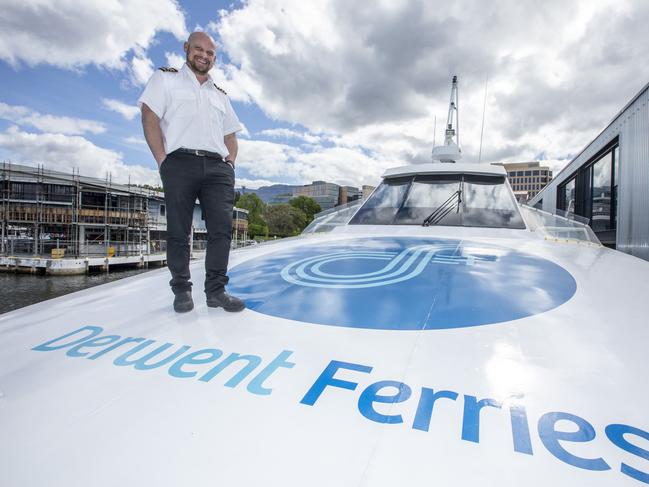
{"x":190,"y":127}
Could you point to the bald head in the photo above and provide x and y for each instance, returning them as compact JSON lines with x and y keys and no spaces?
{"x":200,"y":36}
{"x":200,"y":52}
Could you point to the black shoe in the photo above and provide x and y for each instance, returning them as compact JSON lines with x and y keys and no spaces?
{"x":183,"y":302}
{"x":225,"y":301}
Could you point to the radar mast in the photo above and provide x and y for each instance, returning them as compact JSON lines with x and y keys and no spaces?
{"x":450,"y":151}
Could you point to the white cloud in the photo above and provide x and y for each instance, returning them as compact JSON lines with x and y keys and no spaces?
{"x":75,"y":33}
{"x":225,"y":77}
{"x":135,"y":140}
{"x":283,"y":133}
{"x":63,"y":153}
{"x":253,"y":183}
{"x":373,"y":79}
{"x":129,"y":112}
{"x":142,"y":68}
{"x":174,"y":60}
{"x":294,"y":165}
{"x":49,"y":123}
{"x":244,"y":131}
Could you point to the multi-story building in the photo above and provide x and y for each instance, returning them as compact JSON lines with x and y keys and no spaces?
{"x":42,"y":210}
{"x":327,"y":195}
{"x":527,"y":178}
{"x":366,"y":191}
{"x":349,"y":194}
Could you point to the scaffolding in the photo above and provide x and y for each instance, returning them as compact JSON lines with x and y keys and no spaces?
{"x":49,"y":213}
{"x":43,"y":210}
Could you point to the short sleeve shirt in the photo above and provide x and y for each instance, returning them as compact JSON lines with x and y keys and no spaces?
{"x":192,"y":115}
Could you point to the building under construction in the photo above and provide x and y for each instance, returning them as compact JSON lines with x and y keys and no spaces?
{"x":52,"y":214}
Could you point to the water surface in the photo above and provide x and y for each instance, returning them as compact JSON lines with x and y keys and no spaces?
{"x":19,"y":290}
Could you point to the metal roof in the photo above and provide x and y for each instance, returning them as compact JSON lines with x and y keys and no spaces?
{"x":445,"y":168}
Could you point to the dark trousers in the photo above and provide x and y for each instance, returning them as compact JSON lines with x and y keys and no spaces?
{"x":185,"y":178}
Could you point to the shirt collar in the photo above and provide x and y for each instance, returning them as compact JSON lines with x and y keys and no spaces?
{"x":189,"y":73}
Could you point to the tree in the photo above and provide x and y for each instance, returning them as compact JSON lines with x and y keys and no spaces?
{"x":257,"y":230}
{"x":255,"y":206}
{"x":284,"y":220}
{"x":309,"y":206}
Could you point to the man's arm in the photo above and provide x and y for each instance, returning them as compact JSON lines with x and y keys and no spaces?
{"x":232,"y":145}
{"x":153,"y":133}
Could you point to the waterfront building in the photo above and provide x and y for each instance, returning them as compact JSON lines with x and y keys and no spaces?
{"x":51,"y":213}
{"x":366,"y":191}
{"x":280,"y":199}
{"x":608,"y":181}
{"x":327,"y":195}
{"x":526,"y":178}
{"x":348,"y":194}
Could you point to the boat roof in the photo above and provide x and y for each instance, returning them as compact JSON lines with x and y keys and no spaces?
{"x":376,"y":355}
{"x":445,"y":168}
{"x":501,"y":361}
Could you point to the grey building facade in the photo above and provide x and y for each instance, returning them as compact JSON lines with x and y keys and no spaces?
{"x":43,"y":210}
{"x":608,"y":181}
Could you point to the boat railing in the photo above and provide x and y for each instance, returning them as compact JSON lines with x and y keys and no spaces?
{"x":327,"y":220}
{"x":568,"y":227}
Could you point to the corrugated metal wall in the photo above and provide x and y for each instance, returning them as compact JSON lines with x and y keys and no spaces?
{"x":632,"y":128}
{"x":633,"y":189}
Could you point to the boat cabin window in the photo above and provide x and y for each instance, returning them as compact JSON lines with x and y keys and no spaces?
{"x":442,"y":199}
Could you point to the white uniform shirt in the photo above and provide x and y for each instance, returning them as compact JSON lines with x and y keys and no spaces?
{"x":192,"y":115}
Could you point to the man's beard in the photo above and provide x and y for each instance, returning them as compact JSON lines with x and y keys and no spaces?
{"x":196,"y":68}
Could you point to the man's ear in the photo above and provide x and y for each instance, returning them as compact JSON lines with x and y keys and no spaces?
{"x":186,"y":47}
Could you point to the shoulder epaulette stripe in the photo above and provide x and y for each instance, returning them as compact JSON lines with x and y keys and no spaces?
{"x":168,"y":70}
{"x":220,"y":89}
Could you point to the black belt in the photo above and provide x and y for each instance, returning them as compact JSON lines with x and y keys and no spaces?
{"x":199,"y":153}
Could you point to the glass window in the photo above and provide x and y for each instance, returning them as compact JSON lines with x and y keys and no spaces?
{"x":616,"y":178}
{"x":568,"y":196}
{"x":535,"y":173}
{"x":427,"y":194}
{"x":382,"y":206}
{"x":528,"y":173}
{"x":601,"y":193}
{"x":616,"y":164}
{"x":458,"y":200}
{"x":487,"y":203}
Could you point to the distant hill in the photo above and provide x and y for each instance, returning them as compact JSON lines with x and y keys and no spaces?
{"x":266,"y":193}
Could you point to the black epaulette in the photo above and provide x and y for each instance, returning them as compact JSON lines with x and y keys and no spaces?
{"x":220,"y":89}
{"x":168,"y":70}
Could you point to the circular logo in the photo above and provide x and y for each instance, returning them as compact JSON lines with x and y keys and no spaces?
{"x":401,"y":284}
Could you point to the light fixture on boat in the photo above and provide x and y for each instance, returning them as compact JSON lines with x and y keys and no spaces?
{"x":450,"y":151}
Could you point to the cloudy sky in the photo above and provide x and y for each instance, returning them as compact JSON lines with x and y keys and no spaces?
{"x":332,"y":90}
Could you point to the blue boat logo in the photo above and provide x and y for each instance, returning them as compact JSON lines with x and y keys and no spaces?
{"x":399,"y":267}
{"x":401,"y":283}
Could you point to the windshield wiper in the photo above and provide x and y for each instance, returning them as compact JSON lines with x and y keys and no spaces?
{"x":444,"y":209}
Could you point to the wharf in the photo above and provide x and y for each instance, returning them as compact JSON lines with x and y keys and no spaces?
{"x":80,"y":265}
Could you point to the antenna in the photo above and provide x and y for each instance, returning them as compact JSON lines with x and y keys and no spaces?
{"x":457,"y":109}
{"x":450,"y":151}
{"x":434,"y":130}
{"x":452,"y":110}
{"x":484,"y":109}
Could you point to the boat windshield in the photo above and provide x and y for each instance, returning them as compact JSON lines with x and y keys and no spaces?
{"x":467,"y":200}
